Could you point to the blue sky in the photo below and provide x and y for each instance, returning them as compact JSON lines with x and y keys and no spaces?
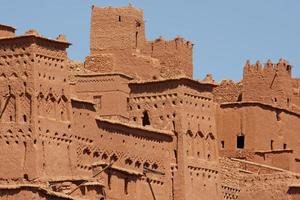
{"x":224,"y":33}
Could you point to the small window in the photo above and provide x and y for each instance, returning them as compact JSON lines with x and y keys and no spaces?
{"x":120,"y":18}
{"x":284,"y":146}
{"x":222,"y":144}
{"x":145,"y":119}
{"x":240,"y":141}
{"x":271,"y":144}
{"x":24,"y":118}
{"x":278,"y":118}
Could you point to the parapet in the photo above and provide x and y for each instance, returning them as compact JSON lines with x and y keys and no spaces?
{"x":258,"y":67}
{"x":9,"y":39}
{"x":6,"y":31}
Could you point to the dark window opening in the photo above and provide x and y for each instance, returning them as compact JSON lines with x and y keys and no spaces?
{"x":145,"y":119}
{"x":208,"y":156}
{"x":278,"y":115}
{"x":275,"y":100}
{"x":119,"y":18}
{"x":271,"y":145}
{"x":240,"y":141}
{"x":284,"y":146}
{"x":10,"y":118}
{"x":26,"y":177}
{"x":222,"y":144}
{"x":175,"y":155}
{"x":138,"y":24}
{"x":24,"y":118}
{"x":288,"y":101}
{"x":240,"y":97}
{"x":136,"y":39}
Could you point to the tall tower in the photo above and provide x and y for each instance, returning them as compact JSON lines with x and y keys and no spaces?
{"x":116,"y":29}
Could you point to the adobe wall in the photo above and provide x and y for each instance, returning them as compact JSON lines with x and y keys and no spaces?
{"x":228,"y":91}
{"x":264,"y":142}
{"x":118,"y":44}
{"x":239,"y":184}
{"x":109,"y":92}
{"x":296,"y":94}
{"x":116,"y":29}
{"x":6,"y":31}
{"x":186,"y":107}
{"x":128,"y":149}
{"x":175,"y":56}
{"x":271,"y":83}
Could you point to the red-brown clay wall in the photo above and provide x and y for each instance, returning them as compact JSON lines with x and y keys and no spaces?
{"x":265,"y":129}
{"x":269,"y":84}
{"x":17,"y":138}
{"x":189,"y":111}
{"x":6,"y":31}
{"x":175,"y":56}
{"x":129,"y":149}
{"x":109,"y":92}
{"x":116,"y":29}
{"x":228,"y":91}
{"x":118,"y":44}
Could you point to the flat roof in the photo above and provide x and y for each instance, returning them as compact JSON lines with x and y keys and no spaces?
{"x":8,"y":27}
{"x":35,"y":37}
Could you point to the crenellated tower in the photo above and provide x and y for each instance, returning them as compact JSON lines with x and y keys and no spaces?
{"x":118,"y":44}
{"x":269,"y":83}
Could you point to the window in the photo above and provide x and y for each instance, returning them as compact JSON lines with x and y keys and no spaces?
{"x":222,"y":144}
{"x":136,"y":39}
{"x":284,"y":146}
{"x":145,"y":119}
{"x":24,"y":118}
{"x":240,"y":141}
{"x":278,"y":118}
{"x":271,"y":145}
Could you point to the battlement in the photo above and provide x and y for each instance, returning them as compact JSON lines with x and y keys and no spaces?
{"x":177,"y":43}
{"x":282,"y":66}
{"x":268,"y":83}
{"x":120,"y":33}
{"x":17,"y":45}
{"x":127,"y":11}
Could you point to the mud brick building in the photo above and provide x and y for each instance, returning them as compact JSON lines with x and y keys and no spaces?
{"x":131,"y":123}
